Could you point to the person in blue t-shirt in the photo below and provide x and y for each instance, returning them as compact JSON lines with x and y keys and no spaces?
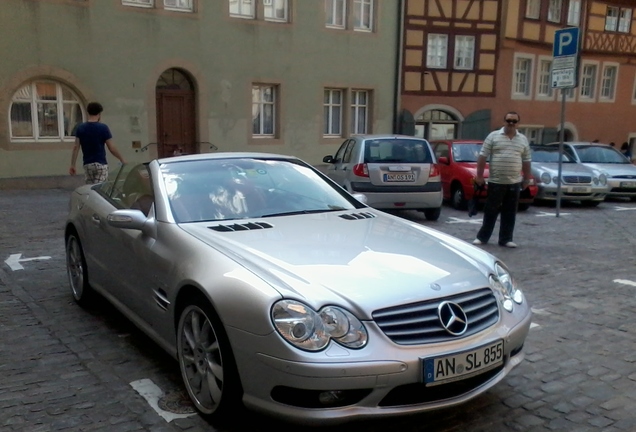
{"x":93,"y":137}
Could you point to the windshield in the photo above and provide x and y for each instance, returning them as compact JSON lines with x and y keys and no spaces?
{"x":466,"y":152}
{"x":239,"y":188}
{"x":600,"y":154}
{"x":395,"y":150}
{"x":549,"y":155}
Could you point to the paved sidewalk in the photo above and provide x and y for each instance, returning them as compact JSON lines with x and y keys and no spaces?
{"x":63,"y":368}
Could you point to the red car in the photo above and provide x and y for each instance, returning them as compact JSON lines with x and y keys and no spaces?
{"x":457,"y":161}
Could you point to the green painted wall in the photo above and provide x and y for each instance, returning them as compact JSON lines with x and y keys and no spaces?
{"x":114,"y":54}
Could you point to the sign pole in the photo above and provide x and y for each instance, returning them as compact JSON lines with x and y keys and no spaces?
{"x":561,"y":138}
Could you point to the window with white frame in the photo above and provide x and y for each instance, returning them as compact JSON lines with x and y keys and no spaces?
{"x":44,"y":111}
{"x":608,"y":82}
{"x":588,"y":81}
{"x":464,"y":52}
{"x":141,"y":3}
{"x":359,"y":111}
{"x":243,"y":8}
{"x":264,"y":110}
{"x":276,"y":10}
{"x":336,"y":13}
{"x":611,"y":18}
{"x":544,"y":81}
{"x":624,"y":20}
{"x":554,"y":10}
{"x":574,"y":13}
{"x":533,"y":9}
{"x":534,"y":134}
{"x":363,"y":15}
{"x":178,"y":5}
{"x":522,"y":76}
{"x":332,"y":105}
{"x":437,"y":51}
{"x":357,"y":15}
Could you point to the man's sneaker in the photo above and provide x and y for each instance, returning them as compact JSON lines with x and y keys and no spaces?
{"x":477,"y":242}
{"x":509,"y":244}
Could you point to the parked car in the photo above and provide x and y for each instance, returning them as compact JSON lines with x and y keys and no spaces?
{"x":578,"y":181}
{"x":393,"y":172}
{"x":620,"y":172}
{"x":457,"y":161}
{"x":274,"y":287}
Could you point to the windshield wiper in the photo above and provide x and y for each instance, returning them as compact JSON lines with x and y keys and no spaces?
{"x":298,"y":212}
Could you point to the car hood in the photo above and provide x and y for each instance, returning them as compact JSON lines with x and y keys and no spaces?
{"x":615,"y":170}
{"x":471,"y":168}
{"x":566,"y":168}
{"x":364,"y":264}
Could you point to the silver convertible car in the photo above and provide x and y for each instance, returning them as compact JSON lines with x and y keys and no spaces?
{"x":276,"y":289}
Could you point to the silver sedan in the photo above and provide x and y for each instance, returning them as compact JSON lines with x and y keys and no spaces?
{"x":578,"y":182}
{"x":275,"y":288}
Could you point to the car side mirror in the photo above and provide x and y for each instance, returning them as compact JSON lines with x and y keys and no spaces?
{"x":328,"y":159}
{"x":443,"y":160}
{"x":131,"y":219}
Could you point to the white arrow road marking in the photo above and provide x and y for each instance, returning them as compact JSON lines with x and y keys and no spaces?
{"x":624,"y":208}
{"x":542,"y":213}
{"x":534,"y":325}
{"x":540,"y":311}
{"x":454,"y":220}
{"x":152,"y":393}
{"x":14,"y":261}
{"x":625,"y":282}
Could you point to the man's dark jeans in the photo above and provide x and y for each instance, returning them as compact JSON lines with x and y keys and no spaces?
{"x":502,"y":198}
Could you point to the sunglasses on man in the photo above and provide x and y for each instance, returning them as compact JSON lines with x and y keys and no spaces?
{"x":512,"y":121}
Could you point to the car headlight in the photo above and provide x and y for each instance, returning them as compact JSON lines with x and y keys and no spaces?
{"x":595,"y":181}
{"x":545,"y":178}
{"x":307,"y":329}
{"x":503,"y":282}
{"x":602,"y":179}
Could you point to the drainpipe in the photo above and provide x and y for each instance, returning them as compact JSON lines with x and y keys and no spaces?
{"x":398,"y":67}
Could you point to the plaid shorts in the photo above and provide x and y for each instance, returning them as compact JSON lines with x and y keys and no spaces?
{"x":95,"y":173}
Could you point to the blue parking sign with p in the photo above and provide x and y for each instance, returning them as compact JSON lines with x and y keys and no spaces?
{"x":566,"y":42}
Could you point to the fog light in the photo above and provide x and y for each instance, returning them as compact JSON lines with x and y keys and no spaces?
{"x":331,"y":397}
{"x":507,"y":304}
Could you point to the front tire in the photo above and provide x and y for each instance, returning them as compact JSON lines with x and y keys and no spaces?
{"x":206,"y":361}
{"x":77,"y":271}
{"x":458,"y":200}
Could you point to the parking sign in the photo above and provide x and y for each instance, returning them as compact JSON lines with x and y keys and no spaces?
{"x":565,"y":58}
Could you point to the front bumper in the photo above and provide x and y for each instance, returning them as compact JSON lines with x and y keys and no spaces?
{"x":621,"y":188}
{"x":570,"y":193}
{"x":382,"y":379}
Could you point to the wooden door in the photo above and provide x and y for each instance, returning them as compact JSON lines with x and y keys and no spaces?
{"x":176,"y":125}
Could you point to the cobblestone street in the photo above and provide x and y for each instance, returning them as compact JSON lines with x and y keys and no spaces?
{"x":64,"y":368}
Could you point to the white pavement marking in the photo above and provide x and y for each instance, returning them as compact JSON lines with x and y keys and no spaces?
{"x":14,"y":261}
{"x":540,"y":311}
{"x":542,"y":213}
{"x":617,"y":208}
{"x":534,"y":325}
{"x":625,"y":282}
{"x":454,"y":220}
{"x":149,"y":391}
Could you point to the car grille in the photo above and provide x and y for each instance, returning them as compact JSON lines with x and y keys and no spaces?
{"x":241,"y":227}
{"x":355,"y":216}
{"x":577,"y":179}
{"x":419,"y":323}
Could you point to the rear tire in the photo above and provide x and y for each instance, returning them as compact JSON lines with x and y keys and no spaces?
{"x":206,"y":361}
{"x":432,"y":214}
{"x":77,"y":271}
{"x":523,"y":206}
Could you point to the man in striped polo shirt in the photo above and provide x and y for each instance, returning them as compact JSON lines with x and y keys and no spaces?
{"x":509,"y":154}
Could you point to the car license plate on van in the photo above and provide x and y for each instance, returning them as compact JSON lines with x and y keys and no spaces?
{"x":459,"y":366}
{"x":399,"y":177}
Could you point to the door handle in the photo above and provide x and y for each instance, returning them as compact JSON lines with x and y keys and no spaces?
{"x":95,"y":218}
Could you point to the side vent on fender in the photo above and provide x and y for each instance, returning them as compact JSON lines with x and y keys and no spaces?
{"x":354,"y":216}
{"x":241,"y":227}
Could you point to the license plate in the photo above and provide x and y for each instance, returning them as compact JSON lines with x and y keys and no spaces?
{"x":459,"y":366}
{"x":628,"y":184}
{"x":581,"y":189}
{"x":402,"y":177}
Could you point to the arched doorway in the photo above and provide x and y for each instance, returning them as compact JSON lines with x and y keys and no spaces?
{"x":176,"y":124}
{"x":436,"y":124}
